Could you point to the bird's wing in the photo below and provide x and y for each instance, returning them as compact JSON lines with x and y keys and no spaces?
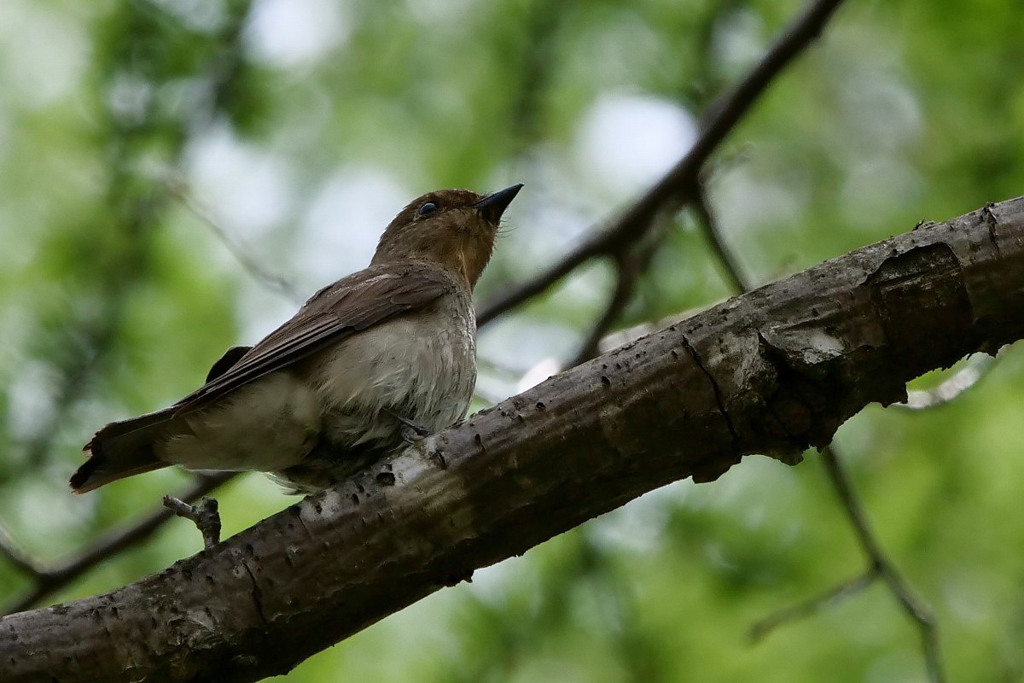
{"x":355,"y":303}
{"x":225,"y":362}
{"x":350,"y":305}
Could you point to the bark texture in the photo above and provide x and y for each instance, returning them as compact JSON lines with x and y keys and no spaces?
{"x":774,"y":371}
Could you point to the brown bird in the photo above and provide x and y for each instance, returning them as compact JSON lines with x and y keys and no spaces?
{"x":381,"y":352}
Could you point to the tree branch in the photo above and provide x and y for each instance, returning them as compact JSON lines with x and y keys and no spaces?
{"x":734,"y":275}
{"x":10,"y":549}
{"x":774,"y":371}
{"x":804,"y":609}
{"x":257,"y":271}
{"x":880,"y":566}
{"x":48,"y":580}
{"x":679,"y":184}
{"x":204,"y":515}
{"x":629,"y":267}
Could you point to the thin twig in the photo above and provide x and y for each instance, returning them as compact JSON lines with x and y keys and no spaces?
{"x":49,"y":580}
{"x":274,"y":283}
{"x":886,"y":570}
{"x":537,"y":61}
{"x":734,"y":275}
{"x":625,"y":282}
{"x":680,"y":183}
{"x":204,"y":515}
{"x":15,"y":555}
{"x":801,"y":610}
{"x":629,"y":267}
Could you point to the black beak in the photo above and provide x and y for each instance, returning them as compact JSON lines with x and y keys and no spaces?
{"x":493,"y":205}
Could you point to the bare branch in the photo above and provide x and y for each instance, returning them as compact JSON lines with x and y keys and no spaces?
{"x":204,"y":515}
{"x":884,"y":567}
{"x":630,"y":267}
{"x":51,"y":579}
{"x":260,"y":273}
{"x":734,"y":275}
{"x":680,"y":183}
{"x":809,"y":607}
{"x":15,"y":555}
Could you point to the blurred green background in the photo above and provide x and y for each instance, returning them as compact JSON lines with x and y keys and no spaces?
{"x":155,"y":155}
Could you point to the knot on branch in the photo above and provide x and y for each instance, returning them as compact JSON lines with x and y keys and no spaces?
{"x":804,"y":390}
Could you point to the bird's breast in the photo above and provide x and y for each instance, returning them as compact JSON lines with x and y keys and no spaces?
{"x":421,"y":367}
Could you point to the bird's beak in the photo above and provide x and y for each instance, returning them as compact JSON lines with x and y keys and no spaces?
{"x":493,"y":205}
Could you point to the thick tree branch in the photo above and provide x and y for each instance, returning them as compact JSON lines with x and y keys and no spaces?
{"x":773,"y":371}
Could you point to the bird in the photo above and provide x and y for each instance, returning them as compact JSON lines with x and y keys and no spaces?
{"x":377,"y":359}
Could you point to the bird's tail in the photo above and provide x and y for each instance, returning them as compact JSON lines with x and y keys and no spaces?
{"x":122,"y":449}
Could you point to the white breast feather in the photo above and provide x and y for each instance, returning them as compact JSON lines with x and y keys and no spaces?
{"x":406,"y":364}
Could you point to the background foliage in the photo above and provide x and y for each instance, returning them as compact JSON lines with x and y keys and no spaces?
{"x":176,"y":176}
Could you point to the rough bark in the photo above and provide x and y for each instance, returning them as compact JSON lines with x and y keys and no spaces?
{"x":774,"y":371}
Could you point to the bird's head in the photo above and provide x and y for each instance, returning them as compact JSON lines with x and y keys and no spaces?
{"x":453,"y":228}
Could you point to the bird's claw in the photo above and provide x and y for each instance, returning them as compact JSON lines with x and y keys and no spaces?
{"x":411,"y":432}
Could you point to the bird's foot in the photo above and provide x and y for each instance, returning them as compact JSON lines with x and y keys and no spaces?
{"x":204,"y":515}
{"x":411,"y":431}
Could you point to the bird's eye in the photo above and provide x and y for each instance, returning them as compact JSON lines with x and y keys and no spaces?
{"x":427,"y":209}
